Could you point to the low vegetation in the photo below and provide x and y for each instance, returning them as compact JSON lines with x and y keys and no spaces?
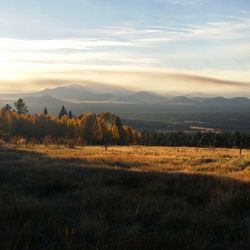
{"x":53,"y":197}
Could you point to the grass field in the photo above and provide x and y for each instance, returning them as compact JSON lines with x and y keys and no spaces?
{"x":124,"y":198}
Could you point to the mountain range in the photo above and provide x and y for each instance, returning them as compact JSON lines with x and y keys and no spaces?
{"x":97,"y":97}
{"x":77,"y":92}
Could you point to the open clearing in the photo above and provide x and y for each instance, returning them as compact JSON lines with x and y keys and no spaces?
{"x":124,"y":198}
{"x":222,"y":162}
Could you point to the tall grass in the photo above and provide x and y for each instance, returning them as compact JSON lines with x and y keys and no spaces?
{"x":125,"y":198}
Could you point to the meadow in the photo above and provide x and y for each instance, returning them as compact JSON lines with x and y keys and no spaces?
{"x":134,"y":197}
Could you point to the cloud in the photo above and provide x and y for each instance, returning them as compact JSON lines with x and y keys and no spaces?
{"x":130,"y":46}
{"x":207,"y":80}
{"x":214,"y":45}
{"x":77,"y":44}
{"x":161,"y":81}
{"x":136,"y":36}
{"x":224,"y":30}
{"x":165,"y":77}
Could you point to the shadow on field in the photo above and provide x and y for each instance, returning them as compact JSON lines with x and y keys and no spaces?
{"x":48,"y":203}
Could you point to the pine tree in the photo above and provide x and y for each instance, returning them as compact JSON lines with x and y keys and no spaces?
{"x":70,"y":115}
{"x":63,"y":112}
{"x":7,"y":107}
{"x":21,"y":107}
{"x":45,"y":111}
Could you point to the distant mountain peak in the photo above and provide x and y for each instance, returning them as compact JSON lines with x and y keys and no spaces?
{"x":75,"y":85}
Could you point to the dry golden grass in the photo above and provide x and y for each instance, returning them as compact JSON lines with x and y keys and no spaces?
{"x":124,"y":198}
{"x":224,"y":162}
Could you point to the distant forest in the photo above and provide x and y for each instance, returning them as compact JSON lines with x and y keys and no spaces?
{"x":196,"y":139}
{"x":101,"y":129}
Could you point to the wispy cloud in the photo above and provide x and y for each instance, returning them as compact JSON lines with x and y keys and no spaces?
{"x":141,"y":79}
{"x":136,"y":46}
{"x":136,"y":36}
{"x":77,"y":43}
{"x":131,"y":46}
{"x":230,"y":29}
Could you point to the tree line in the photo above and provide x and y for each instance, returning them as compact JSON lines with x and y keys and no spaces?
{"x":102,"y":129}
{"x":225,"y":139}
{"x":86,"y":129}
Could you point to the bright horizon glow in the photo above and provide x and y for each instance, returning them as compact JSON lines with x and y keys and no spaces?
{"x":157,"y":45}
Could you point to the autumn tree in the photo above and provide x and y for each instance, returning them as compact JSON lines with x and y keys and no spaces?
{"x":21,"y":107}
{"x":89,"y":128}
{"x":2,"y":129}
{"x":128,"y":135}
{"x":5,"y":120}
{"x":115,"y":134}
{"x":22,"y":125}
{"x":91,"y":132}
{"x":41,"y":123}
{"x":106,"y":135}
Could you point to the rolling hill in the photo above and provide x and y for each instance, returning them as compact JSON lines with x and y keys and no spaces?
{"x":142,"y":97}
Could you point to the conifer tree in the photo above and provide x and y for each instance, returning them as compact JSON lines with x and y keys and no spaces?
{"x":45,"y":111}
{"x":63,"y":112}
{"x":70,"y":115}
{"x":7,"y":107}
{"x":21,"y":107}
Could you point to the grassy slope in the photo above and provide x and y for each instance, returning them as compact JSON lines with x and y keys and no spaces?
{"x":86,"y":198}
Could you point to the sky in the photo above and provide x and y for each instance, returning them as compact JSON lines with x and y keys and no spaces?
{"x":166,"y":46}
